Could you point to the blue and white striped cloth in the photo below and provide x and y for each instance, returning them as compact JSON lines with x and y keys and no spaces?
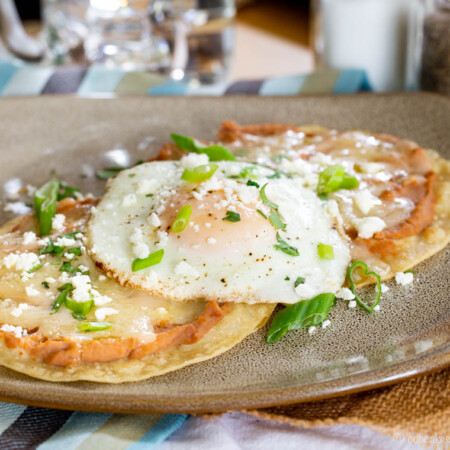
{"x":27,"y":427}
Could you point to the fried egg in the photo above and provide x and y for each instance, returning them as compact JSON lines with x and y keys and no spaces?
{"x":251,"y":235}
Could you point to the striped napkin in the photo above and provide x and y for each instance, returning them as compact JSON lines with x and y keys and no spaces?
{"x":24,"y":427}
{"x":27,"y":427}
{"x":18,"y":79}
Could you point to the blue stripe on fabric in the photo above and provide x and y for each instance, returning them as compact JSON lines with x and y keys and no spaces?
{"x":168,"y":88}
{"x":289,"y":85}
{"x":9,"y":412}
{"x":160,"y":432}
{"x":351,"y":81}
{"x":100,"y":79}
{"x":28,"y":80}
{"x":79,"y":427}
{"x":7,"y":70}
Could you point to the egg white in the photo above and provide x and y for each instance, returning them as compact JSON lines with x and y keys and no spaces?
{"x":213,"y":259}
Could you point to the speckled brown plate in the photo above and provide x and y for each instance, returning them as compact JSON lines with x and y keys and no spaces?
{"x":409,"y":336}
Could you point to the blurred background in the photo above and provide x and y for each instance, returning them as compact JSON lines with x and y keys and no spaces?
{"x":398,"y":44}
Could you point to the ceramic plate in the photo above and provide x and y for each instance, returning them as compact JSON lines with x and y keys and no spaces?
{"x":409,"y":336}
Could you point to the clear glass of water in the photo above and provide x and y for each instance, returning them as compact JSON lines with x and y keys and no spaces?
{"x":200,"y":35}
{"x":116,"y":33}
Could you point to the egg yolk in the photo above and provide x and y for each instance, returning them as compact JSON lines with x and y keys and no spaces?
{"x":207,"y":232}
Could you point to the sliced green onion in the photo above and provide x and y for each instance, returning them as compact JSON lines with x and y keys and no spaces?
{"x":285,"y":247}
{"x":275,"y":220}
{"x":151,"y":260}
{"x":35,"y":268}
{"x":299,"y":281}
{"x":334,"y":178}
{"x":363,"y":266}
{"x":199,"y":173}
{"x":214,"y":152}
{"x":87,"y":327}
{"x":301,"y":315}
{"x":261,"y":213}
{"x":75,"y":251}
{"x":81,"y":308}
{"x":182,"y":219}
{"x":232,"y":216}
{"x":45,"y":199}
{"x":64,"y":290}
{"x":252,"y":183}
{"x":66,"y":266}
{"x":248,"y":172}
{"x":265,"y":200}
{"x":325,"y":251}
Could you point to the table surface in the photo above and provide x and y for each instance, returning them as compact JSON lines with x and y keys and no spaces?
{"x":271,"y":40}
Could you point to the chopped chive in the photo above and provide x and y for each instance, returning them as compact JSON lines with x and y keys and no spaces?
{"x":299,"y":281}
{"x":66,"y":191}
{"x":301,"y":315}
{"x":199,"y":173}
{"x":45,"y":199}
{"x":35,"y":268}
{"x":286,"y":278}
{"x":214,"y":152}
{"x":232,"y":216}
{"x":87,"y":327}
{"x":64,"y":290}
{"x":410,"y":271}
{"x":285,"y":247}
{"x":51,"y":249}
{"x":261,"y":213}
{"x":182,"y":219}
{"x":252,"y":183}
{"x":78,"y":307}
{"x":75,"y":251}
{"x":334,"y":178}
{"x":45,"y":285}
{"x":151,"y":260}
{"x":325,"y":251}
{"x":265,"y":200}
{"x":66,"y":266}
{"x":363,"y":266}
{"x":275,"y":220}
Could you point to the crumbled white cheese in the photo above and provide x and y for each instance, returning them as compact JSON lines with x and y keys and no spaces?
{"x":192,"y":160}
{"x":370,"y":167}
{"x":326,"y":323}
{"x":311,"y":329}
{"x":29,"y":238}
{"x":17,"y":331}
{"x":58,"y":222}
{"x":129,"y":200}
{"x":147,"y":186}
{"x":162,"y":238}
{"x":101,"y":313}
{"x":64,"y":277}
{"x":196,"y":228}
{"x":49,"y":280}
{"x":368,"y":226}
{"x":152,"y":277}
{"x":69,"y":255}
{"x":100,"y":300}
{"x":211,"y":240}
{"x":384,"y":288}
{"x":16,"y":312}
{"x":21,"y":261}
{"x":345,"y":294}
{"x":207,"y":225}
{"x":376,"y":308}
{"x":186,"y":270}
{"x":154,"y":220}
{"x":365,"y":201}
{"x":352,"y":304}
{"x":65,"y":241}
{"x":404,"y":278}
{"x":31,"y":291}
{"x":82,"y":288}
{"x":101,"y":278}
{"x":83,"y":268}
{"x":19,"y":208}
{"x":141,"y":250}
